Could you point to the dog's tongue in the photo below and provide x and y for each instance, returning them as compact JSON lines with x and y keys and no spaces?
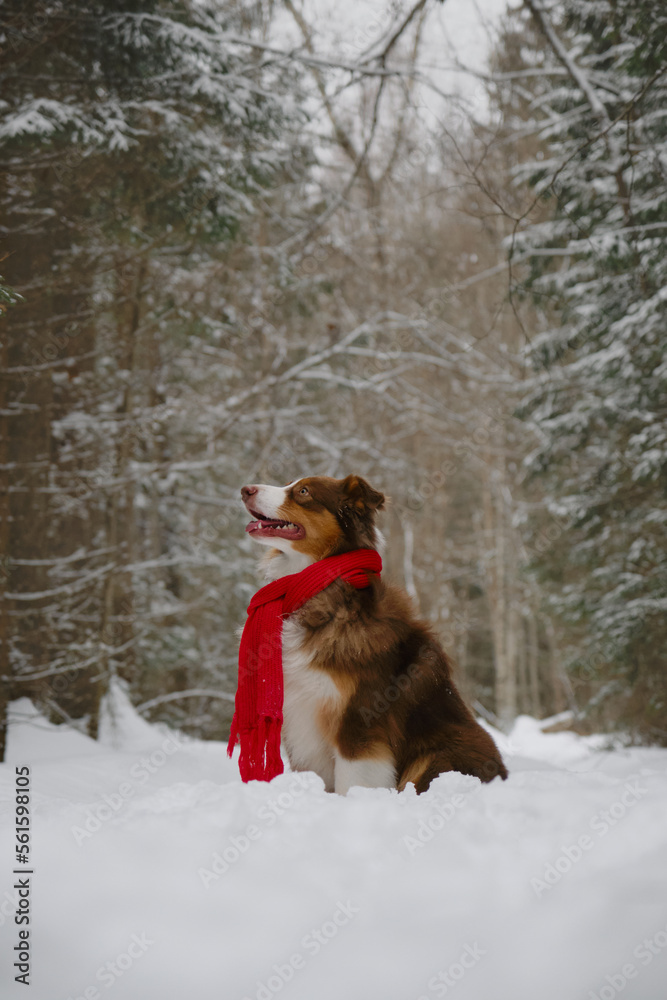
{"x":270,"y":527}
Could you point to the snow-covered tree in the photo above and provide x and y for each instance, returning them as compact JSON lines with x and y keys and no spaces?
{"x":208,"y":301}
{"x":134,"y":137}
{"x":589,"y":83}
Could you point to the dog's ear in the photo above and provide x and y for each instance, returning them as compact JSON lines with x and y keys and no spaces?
{"x":360,"y":495}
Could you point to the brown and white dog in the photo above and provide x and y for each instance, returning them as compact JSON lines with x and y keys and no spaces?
{"x":368,"y":693}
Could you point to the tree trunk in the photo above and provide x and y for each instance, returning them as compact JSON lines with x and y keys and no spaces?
{"x":563,"y":695}
{"x":117,"y":631}
{"x":533,"y":666}
{"x":503,"y":630}
{"x":408,"y":565}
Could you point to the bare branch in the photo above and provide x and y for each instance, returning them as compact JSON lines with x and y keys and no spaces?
{"x":407,"y":20}
{"x":177,"y":695}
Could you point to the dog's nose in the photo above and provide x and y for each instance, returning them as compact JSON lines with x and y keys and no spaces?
{"x":248,"y":491}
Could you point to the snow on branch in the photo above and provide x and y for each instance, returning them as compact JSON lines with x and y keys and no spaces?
{"x":541,"y":17}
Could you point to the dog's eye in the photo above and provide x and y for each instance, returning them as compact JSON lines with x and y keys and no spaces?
{"x":303,"y":492}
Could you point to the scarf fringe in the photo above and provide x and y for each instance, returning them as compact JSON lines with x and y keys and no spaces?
{"x":260,"y":758}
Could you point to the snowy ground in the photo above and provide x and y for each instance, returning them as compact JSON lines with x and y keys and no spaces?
{"x":157,"y":874}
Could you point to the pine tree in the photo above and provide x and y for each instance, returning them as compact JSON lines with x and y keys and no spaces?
{"x":593,"y":91}
{"x":134,"y":137}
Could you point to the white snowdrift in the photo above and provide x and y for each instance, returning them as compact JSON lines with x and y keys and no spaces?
{"x":158,"y":875}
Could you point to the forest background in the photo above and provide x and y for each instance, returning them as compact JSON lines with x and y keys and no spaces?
{"x":246,"y":241}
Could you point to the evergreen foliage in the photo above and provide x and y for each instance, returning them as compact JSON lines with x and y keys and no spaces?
{"x":135,"y":139}
{"x":598,"y":271}
{"x":211,"y":287}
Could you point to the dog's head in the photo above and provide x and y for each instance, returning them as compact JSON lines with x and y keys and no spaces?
{"x":316,"y":516}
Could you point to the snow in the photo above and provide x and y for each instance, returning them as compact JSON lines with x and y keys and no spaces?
{"x":157,"y":873}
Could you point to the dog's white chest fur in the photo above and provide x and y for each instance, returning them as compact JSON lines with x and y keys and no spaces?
{"x":307,"y":692}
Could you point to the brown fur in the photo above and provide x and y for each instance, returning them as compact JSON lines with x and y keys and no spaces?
{"x":398,"y":699}
{"x":335,"y":514}
{"x":397,"y":686}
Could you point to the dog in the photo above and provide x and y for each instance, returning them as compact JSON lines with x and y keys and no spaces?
{"x":368,"y":692}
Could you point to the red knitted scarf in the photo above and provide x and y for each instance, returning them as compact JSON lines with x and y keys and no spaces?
{"x":258,"y":717}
